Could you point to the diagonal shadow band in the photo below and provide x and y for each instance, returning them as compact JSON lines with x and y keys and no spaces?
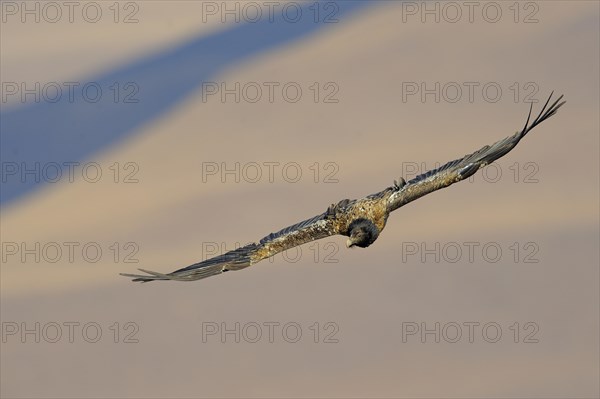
{"x":72,"y":130}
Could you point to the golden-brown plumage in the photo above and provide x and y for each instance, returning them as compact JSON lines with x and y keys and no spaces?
{"x":361,"y":220}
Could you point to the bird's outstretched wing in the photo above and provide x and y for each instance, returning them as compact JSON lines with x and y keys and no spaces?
{"x":315,"y":228}
{"x":463,"y":168}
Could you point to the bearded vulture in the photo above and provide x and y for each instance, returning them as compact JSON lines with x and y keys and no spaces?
{"x":361,"y":220}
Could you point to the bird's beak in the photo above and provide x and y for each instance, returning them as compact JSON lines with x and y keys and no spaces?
{"x":349,"y":243}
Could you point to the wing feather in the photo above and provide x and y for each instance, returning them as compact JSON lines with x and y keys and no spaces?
{"x":462,"y":168}
{"x":315,"y":228}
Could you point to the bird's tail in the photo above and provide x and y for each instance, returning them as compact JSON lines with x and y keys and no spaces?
{"x":233,"y":260}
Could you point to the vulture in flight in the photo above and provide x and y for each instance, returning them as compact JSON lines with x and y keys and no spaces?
{"x":361,"y":220}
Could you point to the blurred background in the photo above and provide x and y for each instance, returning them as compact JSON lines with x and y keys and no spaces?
{"x":156,"y":134}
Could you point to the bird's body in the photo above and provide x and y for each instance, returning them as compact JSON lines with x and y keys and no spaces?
{"x":361,"y":220}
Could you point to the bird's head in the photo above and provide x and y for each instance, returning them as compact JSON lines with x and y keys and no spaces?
{"x":362,"y":233}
